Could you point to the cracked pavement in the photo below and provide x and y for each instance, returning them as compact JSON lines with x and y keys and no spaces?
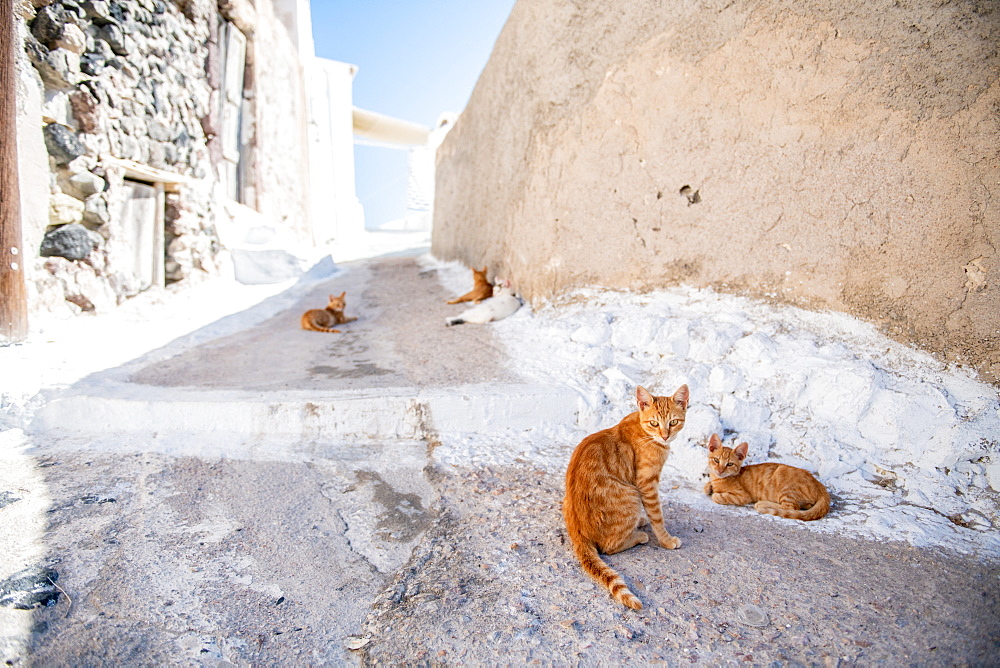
{"x":354,"y":551}
{"x":282,"y":558}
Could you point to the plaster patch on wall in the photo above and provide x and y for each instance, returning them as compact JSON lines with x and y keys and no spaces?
{"x":896,"y":287}
{"x":975,"y":275}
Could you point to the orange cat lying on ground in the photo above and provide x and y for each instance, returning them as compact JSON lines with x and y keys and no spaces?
{"x":774,"y":489}
{"x":612,"y":487}
{"x":322,"y":320}
{"x":481,"y":289}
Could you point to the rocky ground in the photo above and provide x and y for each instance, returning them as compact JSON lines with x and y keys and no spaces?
{"x":494,"y":582}
{"x":160,"y":560}
{"x":121,"y":551}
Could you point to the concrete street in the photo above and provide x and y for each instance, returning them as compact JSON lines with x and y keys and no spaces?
{"x":273,"y":496}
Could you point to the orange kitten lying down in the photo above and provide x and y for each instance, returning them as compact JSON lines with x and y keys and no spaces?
{"x":774,"y":489}
{"x":323,"y":319}
{"x":481,"y":289}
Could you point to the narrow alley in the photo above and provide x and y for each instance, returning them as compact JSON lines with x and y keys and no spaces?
{"x":271,"y":495}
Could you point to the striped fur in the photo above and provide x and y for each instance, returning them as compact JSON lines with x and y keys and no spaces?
{"x":774,"y":489}
{"x":481,"y":289}
{"x":323,"y":319}
{"x":612,"y":487}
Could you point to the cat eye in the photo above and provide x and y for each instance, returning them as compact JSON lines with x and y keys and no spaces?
{"x":715,"y":460}
{"x":673,"y":423}
{"x":654,"y":423}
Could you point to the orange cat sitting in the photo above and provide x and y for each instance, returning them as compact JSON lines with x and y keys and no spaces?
{"x":612,"y":487}
{"x":481,"y":289}
{"x":323,"y":319}
{"x":774,"y":489}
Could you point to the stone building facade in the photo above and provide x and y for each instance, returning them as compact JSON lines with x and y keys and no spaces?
{"x":146,"y":125}
{"x":835,"y":155}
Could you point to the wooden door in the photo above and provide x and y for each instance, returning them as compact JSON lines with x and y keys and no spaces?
{"x":234,"y":62}
{"x":141,"y":237}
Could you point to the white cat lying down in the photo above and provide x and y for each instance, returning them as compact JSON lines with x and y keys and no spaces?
{"x":499,"y":306}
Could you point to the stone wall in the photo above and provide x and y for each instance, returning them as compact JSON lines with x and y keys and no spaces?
{"x":838,"y":155}
{"x":129,"y":90}
{"x":119,"y":80}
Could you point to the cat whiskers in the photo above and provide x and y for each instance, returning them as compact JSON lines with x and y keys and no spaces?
{"x":663,"y":443}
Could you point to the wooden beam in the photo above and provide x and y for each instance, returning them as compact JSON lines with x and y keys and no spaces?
{"x":172,"y":181}
{"x":13,"y":295}
{"x":389,"y":130}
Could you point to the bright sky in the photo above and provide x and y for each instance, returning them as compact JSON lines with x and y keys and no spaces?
{"x":416,"y":60}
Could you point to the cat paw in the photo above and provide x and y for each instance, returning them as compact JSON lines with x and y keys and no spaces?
{"x":670,"y":543}
{"x":630,"y":601}
{"x":642,"y":538}
{"x":708,"y":488}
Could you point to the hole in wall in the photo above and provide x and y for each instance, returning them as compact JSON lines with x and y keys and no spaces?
{"x":693,"y":196}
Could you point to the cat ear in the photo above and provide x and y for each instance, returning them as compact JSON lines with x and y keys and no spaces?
{"x":331,"y":297}
{"x":643,"y":398}
{"x":714,"y":443}
{"x":681,"y":396}
{"x":741,"y":450}
{"x":343,"y":293}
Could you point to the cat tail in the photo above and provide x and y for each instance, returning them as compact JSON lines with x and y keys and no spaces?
{"x":818,"y":509}
{"x":454,"y":321}
{"x":318,"y":328}
{"x":595,"y":567}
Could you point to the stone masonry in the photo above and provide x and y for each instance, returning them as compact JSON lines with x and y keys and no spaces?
{"x":140,"y":118}
{"x":126,"y":80}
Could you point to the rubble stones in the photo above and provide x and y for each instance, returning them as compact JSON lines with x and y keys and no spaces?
{"x":119,"y":12}
{"x":133,"y":74}
{"x":85,"y":108}
{"x":60,"y":68}
{"x":35,"y":50}
{"x":159,"y":131}
{"x":48,"y":24}
{"x":31,"y":588}
{"x":65,"y":209}
{"x":115,"y":38}
{"x":72,"y":39}
{"x":73,"y":242}
{"x":103,"y":49}
{"x":62,"y":143}
{"x":87,"y":183}
{"x":92,"y":64}
{"x":25,"y":9}
{"x":95,"y":210}
{"x":88,"y":285}
{"x":158,"y":154}
{"x":97,"y":11}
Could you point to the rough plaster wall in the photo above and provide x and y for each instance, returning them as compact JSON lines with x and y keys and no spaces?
{"x":282,"y":143}
{"x":845,"y":154}
{"x":33,"y":166}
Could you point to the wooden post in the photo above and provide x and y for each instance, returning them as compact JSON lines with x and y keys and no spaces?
{"x":13,"y":297}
